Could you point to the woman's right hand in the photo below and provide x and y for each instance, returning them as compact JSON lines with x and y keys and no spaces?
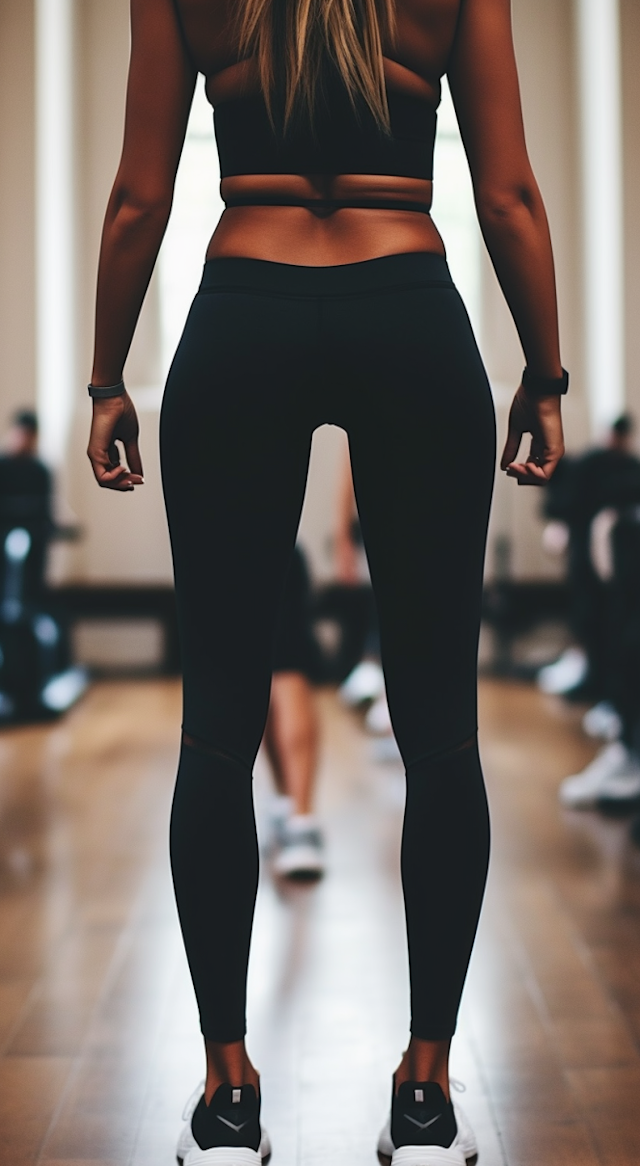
{"x":115,"y":419}
{"x":542,"y":418}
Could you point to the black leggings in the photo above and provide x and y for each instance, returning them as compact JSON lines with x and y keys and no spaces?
{"x":385,"y":350}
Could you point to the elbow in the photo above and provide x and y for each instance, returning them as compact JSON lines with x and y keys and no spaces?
{"x":505,"y":207}
{"x":139,"y":211}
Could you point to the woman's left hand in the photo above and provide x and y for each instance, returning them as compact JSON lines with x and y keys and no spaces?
{"x":542,"y":418}
{"x":115,"y":419}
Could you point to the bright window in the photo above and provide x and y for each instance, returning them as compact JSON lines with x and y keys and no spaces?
{"x":197,"y":206}
{"x":454,"y":209}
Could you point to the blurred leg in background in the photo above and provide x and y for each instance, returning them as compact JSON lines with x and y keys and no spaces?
{"x":613,"y":776}
{"x":291,"y":734}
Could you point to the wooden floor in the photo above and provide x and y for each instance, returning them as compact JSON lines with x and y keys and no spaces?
{"x":98,"y":1034}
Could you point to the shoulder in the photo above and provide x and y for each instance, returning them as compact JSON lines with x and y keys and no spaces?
{"x":210,"y":31}
{"x":426,"y":31}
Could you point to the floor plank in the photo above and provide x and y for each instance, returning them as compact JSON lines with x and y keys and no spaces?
{"x":98,"y":1032}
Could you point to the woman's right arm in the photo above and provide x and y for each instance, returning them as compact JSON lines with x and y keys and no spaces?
{"x":484,"y":85}
{"x":159,"y":95}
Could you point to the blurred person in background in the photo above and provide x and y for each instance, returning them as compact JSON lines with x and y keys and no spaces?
{"x":612,"y":778}
{"x":326,"y":297}
{"x":604,"y":477}
{"x":37,"y":678}
{"x":365,"y":683}
{"x":593,"y":501}
{"x":25,"y":501}
{"x":291,"y":733}
{"x":364,"y":687}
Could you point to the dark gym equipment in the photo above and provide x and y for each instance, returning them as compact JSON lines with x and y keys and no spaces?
{"x":37,"y":679}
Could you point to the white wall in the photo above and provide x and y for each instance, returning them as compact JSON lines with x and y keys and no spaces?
{"x":630,"y":38}
{"x":17,"y":259}
{"x":125,"y":539}
{"x":544,"y":38}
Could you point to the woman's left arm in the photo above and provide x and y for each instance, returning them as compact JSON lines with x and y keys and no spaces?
{"x":159,"y":96}
{"x":484,"y":85}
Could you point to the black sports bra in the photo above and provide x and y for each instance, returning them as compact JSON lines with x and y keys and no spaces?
{"x":343,"y":140}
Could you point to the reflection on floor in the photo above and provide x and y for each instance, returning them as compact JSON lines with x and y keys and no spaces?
{"x":98,"y":1038}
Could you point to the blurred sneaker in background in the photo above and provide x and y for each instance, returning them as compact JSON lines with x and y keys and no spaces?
{"x":602,"y":721}
{"x":377,"y":720}
{"x":300,"y":849}
{"x":365,"y":683}
{"x":568,"y":672}
{"x":612,"y":776}
{"x":280,"y":809}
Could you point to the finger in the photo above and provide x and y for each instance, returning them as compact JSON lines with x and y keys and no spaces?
{"x":124,"y":484}
{"x":107,"y":475}
{"x":114,"y":454}
{"x":512,"y":445}
{"x":551,"y":463}
{"x":527,"y":473}
{"x":113,"y":477}
{"x":133,"y":458}
{"x":121,"y":479}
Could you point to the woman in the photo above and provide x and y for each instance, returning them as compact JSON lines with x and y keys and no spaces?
{"x":326,"y":298}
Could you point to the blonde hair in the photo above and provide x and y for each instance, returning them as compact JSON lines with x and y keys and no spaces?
{"x":290,"y":39}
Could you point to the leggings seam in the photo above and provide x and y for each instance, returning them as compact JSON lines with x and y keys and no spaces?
{"x":200,"y":746}
{"x":446,"y":750}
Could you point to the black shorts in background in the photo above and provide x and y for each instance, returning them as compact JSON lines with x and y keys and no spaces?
{"x":296,"y":649}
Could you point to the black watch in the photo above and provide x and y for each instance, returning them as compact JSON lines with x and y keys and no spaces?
{"x":538,"y":386}
{"x":101,"y":392}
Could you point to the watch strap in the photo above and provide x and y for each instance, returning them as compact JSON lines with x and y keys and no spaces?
{"x":101,"y":392}
{"x":538,"y":386}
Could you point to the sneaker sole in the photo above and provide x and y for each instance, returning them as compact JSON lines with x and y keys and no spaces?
{"x":428,"y":1156}
{"x":184,"y":1151}
{"x":301,"y":866}
{"x":469,"y":1157}
{"x":589,"y":801}
{"x":465,"y":1139}
{"x":223,"y":1156}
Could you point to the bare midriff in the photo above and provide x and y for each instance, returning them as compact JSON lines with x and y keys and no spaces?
{"x":322,"y":237}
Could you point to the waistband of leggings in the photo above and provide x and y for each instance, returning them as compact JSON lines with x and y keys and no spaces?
{"x":406,"y":269}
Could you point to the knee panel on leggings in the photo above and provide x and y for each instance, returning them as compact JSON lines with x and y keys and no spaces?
{"x":445,"y":855}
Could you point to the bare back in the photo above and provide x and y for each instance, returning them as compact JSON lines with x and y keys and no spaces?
{"x":426,"y":30}
{"x":469,"y":40}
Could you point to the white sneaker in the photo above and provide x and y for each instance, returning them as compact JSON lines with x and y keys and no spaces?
{"x":280,"y":808}
{"x":568,"y":672}
{"x":365,"y":683}
{"x":465,"y":1140}
{"x":377,"y":720}
{"x":613,"y":775}
{"x":300,"y":848}
{"x":463,"y":1147}
{"x":384,"y":749}
{"x":602,"y":721}
{"x":187,"y":1144}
